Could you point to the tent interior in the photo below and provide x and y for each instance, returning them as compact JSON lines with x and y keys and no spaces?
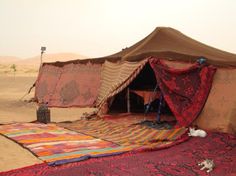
{"x":145,"y":82}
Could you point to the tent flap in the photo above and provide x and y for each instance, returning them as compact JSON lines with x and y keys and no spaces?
{"x":184,"y":90}
{"x":115,"y":78}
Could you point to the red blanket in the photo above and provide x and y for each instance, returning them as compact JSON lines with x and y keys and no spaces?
{"x":184,"y":90}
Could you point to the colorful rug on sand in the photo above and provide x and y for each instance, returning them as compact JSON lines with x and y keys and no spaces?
{"x":178,"y":160}
{"x":56,"y":145}
{"x":126,"y":134}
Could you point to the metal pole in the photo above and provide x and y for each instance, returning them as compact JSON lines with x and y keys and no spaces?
{"x":150,"y":100}
{"x":159,"y":109}
{"x":41,"y":59}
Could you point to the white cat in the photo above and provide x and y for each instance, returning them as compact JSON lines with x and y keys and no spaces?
{"x":207,"y":164}
{"x":197,"y":133}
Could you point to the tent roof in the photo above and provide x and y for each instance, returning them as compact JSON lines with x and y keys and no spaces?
{"x":169,"y":43}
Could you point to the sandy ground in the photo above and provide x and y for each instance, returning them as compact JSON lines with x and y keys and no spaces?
{"x":15,"y":108}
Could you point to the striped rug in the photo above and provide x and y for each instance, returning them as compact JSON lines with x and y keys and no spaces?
{"x":133,"y":136}
{"x":56,"y":145}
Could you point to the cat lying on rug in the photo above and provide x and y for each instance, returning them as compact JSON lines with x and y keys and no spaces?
{"x":196,"y":133}
{"x":207,"y":164}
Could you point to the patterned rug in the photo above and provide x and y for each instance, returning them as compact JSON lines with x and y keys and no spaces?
{"x":126,"y":134}
{"x":178,"y":160}
{"x":56,"y":145}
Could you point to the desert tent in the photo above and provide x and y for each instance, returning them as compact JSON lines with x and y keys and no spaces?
{"x":184,"y":90}
{"x":173,"y":46}
{"x":179,"y":50}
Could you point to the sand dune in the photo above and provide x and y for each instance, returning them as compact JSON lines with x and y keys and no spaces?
{"x":35,"y":61}
{"x":50,"y":58}
{"x":30,"y":66}
{"x":9,"y":59}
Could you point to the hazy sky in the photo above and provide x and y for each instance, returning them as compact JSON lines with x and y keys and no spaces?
{"x":102,"y":27}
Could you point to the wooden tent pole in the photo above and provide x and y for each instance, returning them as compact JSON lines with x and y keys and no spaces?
{"x":128,"y":100}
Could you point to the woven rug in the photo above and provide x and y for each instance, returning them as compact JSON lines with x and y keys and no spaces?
{"x":178,"y":160}
{"x":126,"y":134}
{"x":56,"y":145}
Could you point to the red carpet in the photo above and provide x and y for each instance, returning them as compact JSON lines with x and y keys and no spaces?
{"x":175,"y":161}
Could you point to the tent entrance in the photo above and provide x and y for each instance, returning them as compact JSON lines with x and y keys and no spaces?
{"x":145,"y":81}
{"x":140,"y":94}
{"x":137,"y":109}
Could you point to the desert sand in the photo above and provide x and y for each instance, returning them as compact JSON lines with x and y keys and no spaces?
{"x":14,"y":107}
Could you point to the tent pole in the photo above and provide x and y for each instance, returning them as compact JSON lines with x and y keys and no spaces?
{"x":150,"y":100}
{"x":128,"y":100}
{"x":159,"y":109}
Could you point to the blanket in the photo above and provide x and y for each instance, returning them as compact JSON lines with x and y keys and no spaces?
{"x":56,"y":145}
{"x":184,"y":90}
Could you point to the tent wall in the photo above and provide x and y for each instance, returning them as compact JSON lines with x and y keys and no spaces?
{"x":219,"y":113}
{"x":68,"y":86}
{"x":46,"y":82}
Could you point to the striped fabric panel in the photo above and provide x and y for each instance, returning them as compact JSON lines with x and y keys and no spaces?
{"x":88,"y":153}
{"x":55,"y":144}
{"x":133,"y":135}
{"x":115,"y":77}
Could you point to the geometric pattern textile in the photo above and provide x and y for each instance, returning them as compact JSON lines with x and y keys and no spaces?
{"x":115,"y":77}
{"x":138,"y":137}
{"x":68,"y":86}
{"x":56,"y":145}
{"x":185,"y":90}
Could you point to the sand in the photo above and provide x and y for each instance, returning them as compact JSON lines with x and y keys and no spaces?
{"x":14,"y":156}
{"x":15,"y":108}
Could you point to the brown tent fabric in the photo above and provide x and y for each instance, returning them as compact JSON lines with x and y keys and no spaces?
{"x":219,"y":112}
{"x":169,"y":43}
{"x":69,"y":86}
{"x":46,"y":82}
{"x":114,"y":78}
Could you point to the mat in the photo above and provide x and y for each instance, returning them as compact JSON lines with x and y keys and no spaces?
{"x":175,"y":161}
{"x":56,"y":145}
{"x":126,"y":134}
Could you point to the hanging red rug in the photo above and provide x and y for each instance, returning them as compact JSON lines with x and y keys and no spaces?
{"x":184,"y":90}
